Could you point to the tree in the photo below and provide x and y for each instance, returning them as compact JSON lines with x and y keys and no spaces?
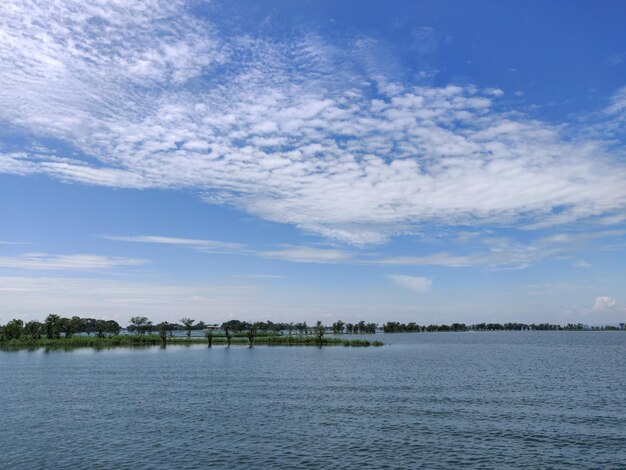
{"x":33,"y":329}
{"x":319,"y":332}
{"x":139,"y":325}
{"x":188,"y":322}
{"x":112,"y":327}
{"x":226,"y":327}
{"x":87,"y":325}
{"x":13,"y":329}
{"x":70,"y":326}
{"x":52,"y":325}
{"x":209,"y":336}
{"x":163,"y":328}
{"x":302,"y":328}
{"x":101,"y":327}
{"x":251,"y":333}
{"x":338,"y":327}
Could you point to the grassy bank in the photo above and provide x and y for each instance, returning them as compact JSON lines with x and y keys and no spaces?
{"x":151,"y":340}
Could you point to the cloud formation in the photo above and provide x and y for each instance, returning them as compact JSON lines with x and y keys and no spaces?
{"x":604,"y":303}
{"x":147,"y":95}
{"x":42,"y":261}
{"x":209,"y":246}
{"x":414,"y":283}
{"x":487,"y":251}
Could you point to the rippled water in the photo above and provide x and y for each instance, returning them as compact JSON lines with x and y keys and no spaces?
{"x":441,"y":400}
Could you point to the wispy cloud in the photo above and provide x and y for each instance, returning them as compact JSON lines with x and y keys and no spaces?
{"x":292,"y":253}
{"x":210,"y":246}
{"x":487,"y":251}
{"x":42,"y":261}
{"x":302,"y":132}
{"x":307,"y":254}
{"x":414,"y":283}
{"x":618,"y":102}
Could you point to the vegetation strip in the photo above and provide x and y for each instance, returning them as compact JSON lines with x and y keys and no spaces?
{"x":151,"y":340}
{"x":76,"y":331}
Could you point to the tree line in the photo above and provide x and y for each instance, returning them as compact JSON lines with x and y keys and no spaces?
{"x":396,"y":327}
{"x":56,"y":327}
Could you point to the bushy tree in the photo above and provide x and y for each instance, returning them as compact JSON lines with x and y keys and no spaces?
{"x":252,"y":331}
{"x":140,"y":325}
{"x":188,"y":323}
{"x":227,"y":331}
{"x":112,"y":328}
{"x":33,"y":329}
{"x":338,"y":327}
{"x":70,"y":326}
{"x":13,"y":329}
{"x":52,"y":326}
{"x":302,"y":328}
{"x":209,"y":336}
{"x":164,"y":328}
{"x":101,"y":327}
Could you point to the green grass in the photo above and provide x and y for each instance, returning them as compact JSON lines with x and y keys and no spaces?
{"x":150,"y":340}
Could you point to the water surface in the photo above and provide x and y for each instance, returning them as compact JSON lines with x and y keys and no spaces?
{"x":431,"y":400}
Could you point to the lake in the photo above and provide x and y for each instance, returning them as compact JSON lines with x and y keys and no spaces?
{"x":431,"y":400}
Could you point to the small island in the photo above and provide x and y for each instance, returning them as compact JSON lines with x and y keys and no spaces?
{"x":56,"y":331}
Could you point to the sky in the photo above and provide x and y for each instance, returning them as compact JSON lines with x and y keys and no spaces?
{"x":432,"y":161}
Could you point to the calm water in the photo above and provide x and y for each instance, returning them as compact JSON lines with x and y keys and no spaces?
{"x":441,"y":400}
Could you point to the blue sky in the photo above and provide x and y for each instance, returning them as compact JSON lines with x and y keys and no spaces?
{"x":408,"y":161}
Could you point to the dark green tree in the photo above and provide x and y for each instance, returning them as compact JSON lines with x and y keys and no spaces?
{"x":112,"y":328}
{"x":319,"y":330}
{"x":52,"y":325}
{"x":139,"y":325}
{"x":209,"y":336}
{"x":33,"y":329}
{"x":252,"y":330}
{"x":13,"y":329}
{"x":227,"y":331}
{"x":338,"y":327}
{"x":70,"y":326}
{"x":188,"y":323}
{"x":101,"y":327}
{"x":163,"y":328}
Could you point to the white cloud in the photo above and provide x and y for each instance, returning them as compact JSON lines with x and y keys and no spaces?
{"x":488,"y":251}
{"x":292,"y":253}
{"x":307,"y":254}
{"x":604,"y":303}
{"x":287,"y":132}
{"x":210,"y":246}
{"x":42,"y":261}
{"x":417,"y":284}
{"x":618,"y":102}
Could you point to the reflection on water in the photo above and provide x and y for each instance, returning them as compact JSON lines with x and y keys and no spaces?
{"x":441,"y":400}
